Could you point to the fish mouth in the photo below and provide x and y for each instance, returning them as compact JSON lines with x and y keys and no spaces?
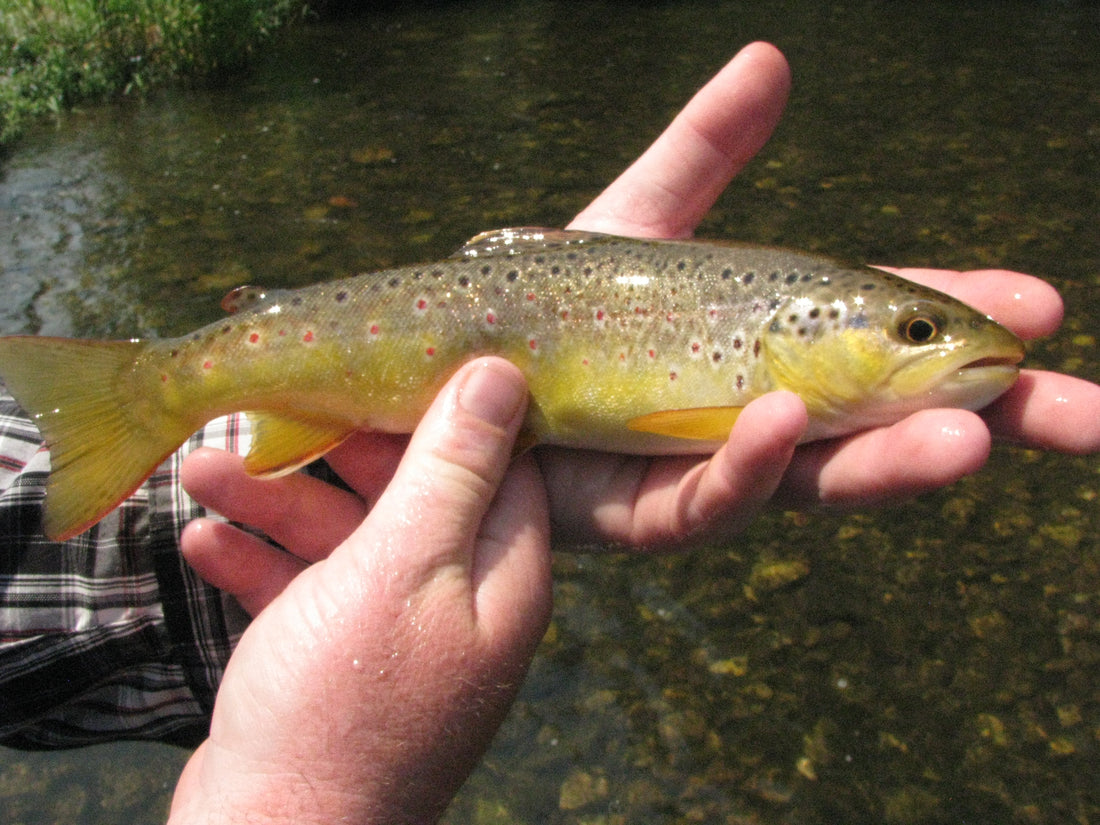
{"x":975,"y":382}
{"x":1009,"y":362}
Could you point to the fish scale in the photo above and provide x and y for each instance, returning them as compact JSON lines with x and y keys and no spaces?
{"x":646,"y":347}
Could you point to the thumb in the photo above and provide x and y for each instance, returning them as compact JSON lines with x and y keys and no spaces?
{"x":433,"y":510}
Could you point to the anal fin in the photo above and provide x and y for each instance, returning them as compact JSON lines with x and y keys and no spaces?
{"x":281,"y":444}
{"x":697,"y":423}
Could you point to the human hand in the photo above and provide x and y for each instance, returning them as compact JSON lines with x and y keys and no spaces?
{"x":369,"y":687}
{"x":661,"y":503}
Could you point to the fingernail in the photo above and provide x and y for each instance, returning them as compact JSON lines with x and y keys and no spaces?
{"x":492,"y":393}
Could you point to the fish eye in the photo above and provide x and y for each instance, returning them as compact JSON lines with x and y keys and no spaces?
{"x":919,"y":328}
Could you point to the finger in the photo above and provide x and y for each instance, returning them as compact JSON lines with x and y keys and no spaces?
{"x":723,"y":495}
{"x":246,"y":567}
{"x":284,"y":508}
{"x":511,"y":573}
{"x":923,"y":452}
{"x":432,"y":510}
{"x":1048,"y":411}
{"x":653,"y":503}
{"x":1028,"y":306}
{"x":668,"y":190}
{"x":367,"y":461}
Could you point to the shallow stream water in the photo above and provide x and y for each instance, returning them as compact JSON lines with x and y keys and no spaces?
{"x":933,"y":662}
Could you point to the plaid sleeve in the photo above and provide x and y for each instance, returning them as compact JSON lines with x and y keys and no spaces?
{"x":108,"y":635}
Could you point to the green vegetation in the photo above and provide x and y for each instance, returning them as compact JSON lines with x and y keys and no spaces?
{"x":54,"y":53}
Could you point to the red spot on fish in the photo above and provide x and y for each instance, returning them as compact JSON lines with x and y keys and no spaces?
{"x":308,"y":336}
{"x":282,"y":333}
{"x":696,"y":346}
{"x":599,"y":315}
{"x":652,"y":354}
{"x":533,"y":344}
{"x":530,"y":296}
{"x":671,"y":317}
{"x":713,"y":313}
{"x":164,"y":378}
{"x":254,"y":338}
{"x":584,"y":361}
{"x":422,"y":304}
{"x":430,"y":351}
{"x":672,"y":376}
{"x":490,"y":318}
{"x":564,"y":314}
{"x":207,"y":365}
{"x":622,"y":356}
{"x":374,"y":329}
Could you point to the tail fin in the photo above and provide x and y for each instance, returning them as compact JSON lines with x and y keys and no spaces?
{"x":100,"y":449}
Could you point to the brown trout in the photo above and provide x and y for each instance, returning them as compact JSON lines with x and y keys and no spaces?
{"x":632,"y":346}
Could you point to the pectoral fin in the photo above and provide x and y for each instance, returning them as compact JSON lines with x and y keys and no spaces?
{"x":281,"y":444}
{"x":698,"y":423}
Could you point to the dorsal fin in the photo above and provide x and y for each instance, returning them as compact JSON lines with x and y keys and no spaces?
{"x":519,"y":239}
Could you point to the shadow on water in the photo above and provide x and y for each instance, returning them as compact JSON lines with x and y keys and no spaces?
{"x":936,"y":662}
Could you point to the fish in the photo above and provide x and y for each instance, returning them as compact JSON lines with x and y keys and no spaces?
{"x":648,"y":347}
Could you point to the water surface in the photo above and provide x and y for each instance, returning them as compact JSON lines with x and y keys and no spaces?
{"x":933,"y":662}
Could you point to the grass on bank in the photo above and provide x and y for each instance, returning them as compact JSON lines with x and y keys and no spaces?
{"x":54,"y":53}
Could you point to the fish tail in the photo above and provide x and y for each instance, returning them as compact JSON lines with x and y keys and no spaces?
{"x":102,"y":442}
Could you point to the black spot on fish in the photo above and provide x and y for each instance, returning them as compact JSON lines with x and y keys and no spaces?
{"x":867,"y":287}
{"x":792,"y":318}
{"x":773,"y":277}
{"x":571,"y":256}
{"x":737,"y":343}
{"x":740,"y":381}
{"x":834,"y":313}
{"x":681,"y":265}
{"x":540,"y":259}
{"x":756,"y":348}
{"x":463,"y":281}
{"x":748,"y":277}
{"x":816,"y":311}
{"x":174,"y":353}
{"x":554,"y":270}
{"x":296,"y":301}
{"x":394,"y":282}
{"x":792,"y":278}
{"x":716,"y":356}
{"x":485,"y":270}
{"x":341,"y":296}
{"x":437,"y":273}
{"x":226,"y":329}
{"x":511,"y":276}
{"x":727,"y":274}
{"x":807,"y":277}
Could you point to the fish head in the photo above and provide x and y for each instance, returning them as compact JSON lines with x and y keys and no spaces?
{"x":873,"y":355}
